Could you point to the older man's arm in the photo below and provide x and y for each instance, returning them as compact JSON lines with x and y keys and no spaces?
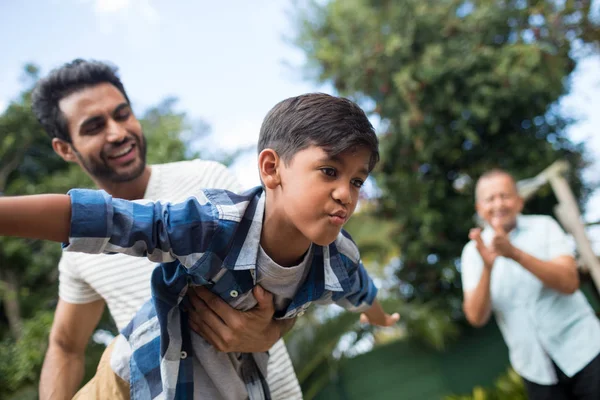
{"x":559,"y":273}
{"x":64,"y":365}
{"x":477,"y":303}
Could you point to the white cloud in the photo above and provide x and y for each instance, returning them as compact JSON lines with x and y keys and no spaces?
{"x":110,"y":6}
{"x":235,"y":133}
{"x":121,"y":14}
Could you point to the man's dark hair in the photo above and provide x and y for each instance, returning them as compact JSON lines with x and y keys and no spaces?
{"x":333,"y":123}
{"x":64,"y":81}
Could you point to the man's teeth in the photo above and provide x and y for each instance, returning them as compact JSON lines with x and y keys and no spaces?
{"x":122,"y":152}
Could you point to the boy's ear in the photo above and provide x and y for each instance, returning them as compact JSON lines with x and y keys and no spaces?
{"x":268,"y":168}
{"x":64,"y":150}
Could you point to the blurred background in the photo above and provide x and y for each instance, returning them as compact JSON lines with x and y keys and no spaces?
{"x":453,"y":88}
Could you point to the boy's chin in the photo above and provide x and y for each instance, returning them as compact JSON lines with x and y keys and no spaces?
{"x":325,"y":240}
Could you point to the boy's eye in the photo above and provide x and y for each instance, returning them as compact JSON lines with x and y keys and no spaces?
{"x":358,"y":183}
{"x":329,"y":171}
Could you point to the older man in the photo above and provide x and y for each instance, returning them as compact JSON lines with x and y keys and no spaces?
{"x":522,"y":269}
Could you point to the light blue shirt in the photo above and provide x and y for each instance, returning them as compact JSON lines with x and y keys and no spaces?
{"x":538,"y":324}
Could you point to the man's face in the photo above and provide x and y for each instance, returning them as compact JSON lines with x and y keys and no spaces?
{"x":319,"y":193}
{"x":107,"y":139}
{"x":498,"y":202}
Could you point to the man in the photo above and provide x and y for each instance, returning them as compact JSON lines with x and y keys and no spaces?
{"x":522,"y":268}
{"x":84,"y":108}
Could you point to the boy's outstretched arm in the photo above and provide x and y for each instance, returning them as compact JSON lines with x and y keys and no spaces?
{"x":376,"y":316}
{"x":44,"y":216}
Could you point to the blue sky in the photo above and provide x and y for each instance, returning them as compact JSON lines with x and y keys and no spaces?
{"x":227,"y":62}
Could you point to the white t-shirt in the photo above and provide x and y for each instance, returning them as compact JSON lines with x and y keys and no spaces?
{"x":124,"y":282}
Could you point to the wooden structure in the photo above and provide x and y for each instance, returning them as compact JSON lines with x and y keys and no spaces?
{"x":567,"y":212}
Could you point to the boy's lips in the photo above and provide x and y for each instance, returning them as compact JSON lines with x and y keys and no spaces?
{"x":338,"y":218}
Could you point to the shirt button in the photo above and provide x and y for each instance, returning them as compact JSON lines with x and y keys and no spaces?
{"x":183,"y":355}
{"x":234,"y":293}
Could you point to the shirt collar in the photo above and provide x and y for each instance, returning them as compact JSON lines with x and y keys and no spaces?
{"x":243,"y":251}
{"x":520,"y":226}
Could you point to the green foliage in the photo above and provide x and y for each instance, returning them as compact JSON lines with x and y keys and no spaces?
{"x":169,"y":132}
{"x":20,"y":359}
{"x":311,"y":344}
{"x":373,"y":237}
{"x":459,"y":87}
{"x":508,"y":387}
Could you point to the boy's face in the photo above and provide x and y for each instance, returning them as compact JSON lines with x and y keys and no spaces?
{"x":106,"y":138}
{"x":318,"y":193}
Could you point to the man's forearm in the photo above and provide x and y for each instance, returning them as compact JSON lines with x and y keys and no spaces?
{"x":45,"y":217}
{"x":560,"y":276}
{"x":61,"y":375}
{"x":478,"y":305}
{"x":285,"y":325}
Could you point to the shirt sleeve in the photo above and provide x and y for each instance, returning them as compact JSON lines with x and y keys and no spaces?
{"x":557,"y":241}
{"x":362,"y":293}
{"x":471,"y":267}
{"x":162,"y":232}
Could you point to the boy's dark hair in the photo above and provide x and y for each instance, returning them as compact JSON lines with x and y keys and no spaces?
{"x":333,"y":123}
{"x":63,"y":81}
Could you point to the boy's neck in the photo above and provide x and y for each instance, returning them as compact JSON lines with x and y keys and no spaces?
{"x":282,"y":241}
{"x":132,"y":190}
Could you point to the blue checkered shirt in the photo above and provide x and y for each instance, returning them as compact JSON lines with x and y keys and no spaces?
{"x":210,"y":240}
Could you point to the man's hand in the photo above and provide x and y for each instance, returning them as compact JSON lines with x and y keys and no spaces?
{"x":487,"y":254}
{"x":501,"y":244}
{"x":231,"y":330}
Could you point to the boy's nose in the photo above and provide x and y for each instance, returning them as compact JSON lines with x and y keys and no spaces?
{"x":342,"y":195}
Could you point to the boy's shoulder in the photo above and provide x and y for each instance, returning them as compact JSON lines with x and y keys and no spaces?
{"x":233,"y":206}
{"x":345,"y":246}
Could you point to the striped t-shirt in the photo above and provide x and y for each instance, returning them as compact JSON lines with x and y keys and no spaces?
{"x":124,"y":282}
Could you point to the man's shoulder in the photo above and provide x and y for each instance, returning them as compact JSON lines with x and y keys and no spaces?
{"x":469,"y":247}
{"x":197,"y":167}
{"x":536,"y":220}
{"x":178,"y":180}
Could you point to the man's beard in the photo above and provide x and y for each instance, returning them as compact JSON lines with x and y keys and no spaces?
{"x":100,"y":170}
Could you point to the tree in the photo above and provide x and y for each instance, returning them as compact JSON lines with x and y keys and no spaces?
{"x":459,"y":87}
{"x":28,"y":268}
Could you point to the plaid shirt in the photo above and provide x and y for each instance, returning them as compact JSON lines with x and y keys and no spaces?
{"x":210,"y":240}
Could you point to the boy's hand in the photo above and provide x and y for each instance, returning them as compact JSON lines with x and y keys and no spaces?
{"x":384,"y":320}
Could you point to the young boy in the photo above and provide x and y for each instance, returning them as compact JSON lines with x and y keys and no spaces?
{"x":315,"y":152}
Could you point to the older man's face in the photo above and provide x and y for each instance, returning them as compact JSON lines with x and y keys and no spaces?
{"x":498,"y":202}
